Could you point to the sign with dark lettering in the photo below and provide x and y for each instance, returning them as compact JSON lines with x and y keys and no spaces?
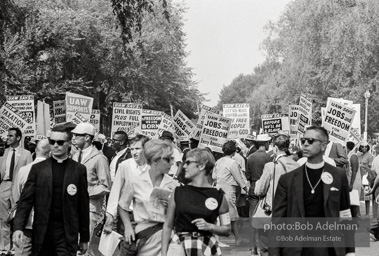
{"x":78,"y":103}
{"x":126,"y":115}
{"x":272,"y":123}
{"x":214,"y":132}
{"x":240,"y":115}
{"x":25,"y":104}
{"x":182,"y":125}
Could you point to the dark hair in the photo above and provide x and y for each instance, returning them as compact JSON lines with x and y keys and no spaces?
{"x":350,"y":145}
{"x":203,"y":156}
{"x":282,"y":143}
{"x":261,"y":143}
{"x":299,"y":154}
{"x":18,"y":132}
{"x":123,"y":134}
{"x":324,"y":133}
{"x":62,"y":128}
{"x":229,"y":147}
{"x":139,"y":137}
{"x":360,"y":148}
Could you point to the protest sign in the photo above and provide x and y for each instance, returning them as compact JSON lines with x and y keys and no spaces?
{"x":150,"y":122}
{"x":95,"y":119}
{"x":59,"y":107}
{"x":294,"y":120}
{"x":43,"y":119}
{"x":10,"y":117}
{"x":25,"y":104}
{"x":125,"y":115}
{"x":166,"y":124}
{"x":183,"y":126}
{"x":305,"y":113}
{"x":272,"y":123}
{"x":78,"y":103}
{"x":214,"y":132}
{"x":356,"y":125}
{"x":203,"y":111}
{"x":337,"y":122}
{"x":77,"y":118}
{"x":240,"y":115}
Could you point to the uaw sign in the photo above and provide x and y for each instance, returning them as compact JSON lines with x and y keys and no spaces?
{"x":214,"y":132}
{"x":183,"y":125}
{"x":125,"y":115}
{"x":338,"y":120}
{"x":272,"y":123}
{"x":78,"y":103}
{"x":239,"y":113}
{"x":25,"y":104}
{"x":9,"y":118}
{"x":203,"y":111}
{"x":305,"y":111}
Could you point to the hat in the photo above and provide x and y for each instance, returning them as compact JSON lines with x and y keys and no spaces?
{"x":281,"y":133}
{"x":84,"y":128}
{"x":250,"y":137}
{"x":167,"y":135}
{"x":364,"y":143}
{"x":263,"y":137}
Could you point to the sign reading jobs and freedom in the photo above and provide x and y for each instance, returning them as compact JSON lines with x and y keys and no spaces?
{"x":78,"y":103}
{"x":203,"y":111}
{"x":338,"y":120}
{"x":305,"y":111}
{"x":25,"y":105}
{"x":214,"y":132}
{"x":240,"y":115}
{"x":59,"y":107}
{"x":294,"y":120}
{"x":183,"y":126}
{"x":272,"y":123}
{"x":125,"y":115}
{"x":10,"y":117}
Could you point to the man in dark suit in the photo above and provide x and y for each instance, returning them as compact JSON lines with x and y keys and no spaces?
{"x":57,"y":189}
{"x":249,"y":142}
{"x":314,"y":190}
{"x":120,"y":143}
{"x":14,"y":158}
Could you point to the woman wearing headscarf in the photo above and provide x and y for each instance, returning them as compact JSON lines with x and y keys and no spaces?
{"x":193,"y":210}
{"x":149,"y":193}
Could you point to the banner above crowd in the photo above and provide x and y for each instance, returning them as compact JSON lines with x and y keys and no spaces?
{"x":76,"y":103}
{"x":294,"y":120}
{"x":305,"y":113}
{"x":9,"y":118}
{"x":203,"y":111}
{"x":272,"y":123}
{"x":25,"y":105}
{"x":183,"y":126}
{"x":239,"y":113}
{"x":125,"y":115}
{"x":214,"y":132}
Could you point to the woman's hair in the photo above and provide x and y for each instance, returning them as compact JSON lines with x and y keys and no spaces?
{"x":141,"y":138}
{"x":229,"y":147}
{"x":203,"y":156}
{"x":367,"y":146}
{"x":155,"y":149}
{"x":350,"y":145}
{"x":282,"y":142}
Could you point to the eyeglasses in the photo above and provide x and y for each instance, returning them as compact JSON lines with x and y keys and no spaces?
{"x":309,"y":140}
{"x":168,"y":159}
{"x":188,"y":162}
{"x":59,"y":142}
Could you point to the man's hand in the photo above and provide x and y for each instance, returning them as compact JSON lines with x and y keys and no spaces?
{"x":83,"y":247}
{"x":18,"y":238}
{"x":107,"y":229}
{"x":129,"y":235}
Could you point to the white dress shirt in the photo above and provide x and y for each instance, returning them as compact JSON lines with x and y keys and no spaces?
{"x":113,"y":164}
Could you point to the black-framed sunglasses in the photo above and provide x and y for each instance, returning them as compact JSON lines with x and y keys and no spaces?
{"x":59,"y":142}
{"x":309,"y":140}
{"x":168,"y":159}
{"x":188,"y":162}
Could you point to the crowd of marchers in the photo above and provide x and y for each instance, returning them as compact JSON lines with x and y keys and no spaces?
{"x":168,"y":198}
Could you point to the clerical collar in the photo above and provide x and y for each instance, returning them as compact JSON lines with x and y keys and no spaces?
{"x":60,"y":160}
{"x":315,"y":166}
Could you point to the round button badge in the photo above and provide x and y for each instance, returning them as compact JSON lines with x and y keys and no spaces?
{"x":71,"y":189}
{"x":211,"y":203}
{"x":327,"y":178}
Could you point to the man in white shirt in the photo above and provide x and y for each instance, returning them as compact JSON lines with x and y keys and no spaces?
{"x":120,"y":145}
{"x":42,"y":152}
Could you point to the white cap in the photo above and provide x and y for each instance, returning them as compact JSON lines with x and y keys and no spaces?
{"x":263,"y":137}
{"x":84,"y":128}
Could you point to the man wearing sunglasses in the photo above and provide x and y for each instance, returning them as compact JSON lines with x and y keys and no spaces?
{"x":314,"y":190}
{"x":57,"y":190}
{"x":98,"y":173}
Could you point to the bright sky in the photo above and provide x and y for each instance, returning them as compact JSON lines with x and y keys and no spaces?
{"x":224,"y":37}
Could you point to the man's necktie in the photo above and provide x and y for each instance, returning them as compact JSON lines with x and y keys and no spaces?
{"x":80,"y":157}
{"x":13,"y":158}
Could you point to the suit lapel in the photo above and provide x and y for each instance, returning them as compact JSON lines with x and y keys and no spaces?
{"x":298,"y":179}
{"x":49,"y":171}
{"x":326,"y":186}
{"x":67,"y":176}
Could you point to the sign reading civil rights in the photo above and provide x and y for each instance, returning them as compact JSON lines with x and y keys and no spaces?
{"x":25,"y":105}
{"x":78,"y":103}
{"x":150,"y":122}
{"x":305,"y":111}
{"x":214,"y":132}
{"x":294,"y":120}
{"x":240,"y":115}
{"x":203,"y":111}
{"x":272,"y":123}
{"x":338,"y":120}
{"x":10,"y":117}
{"x":125,"y":115}
{"x":183,"y":126}
{"x":59,"y":109}
{"x":95,"y":119}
